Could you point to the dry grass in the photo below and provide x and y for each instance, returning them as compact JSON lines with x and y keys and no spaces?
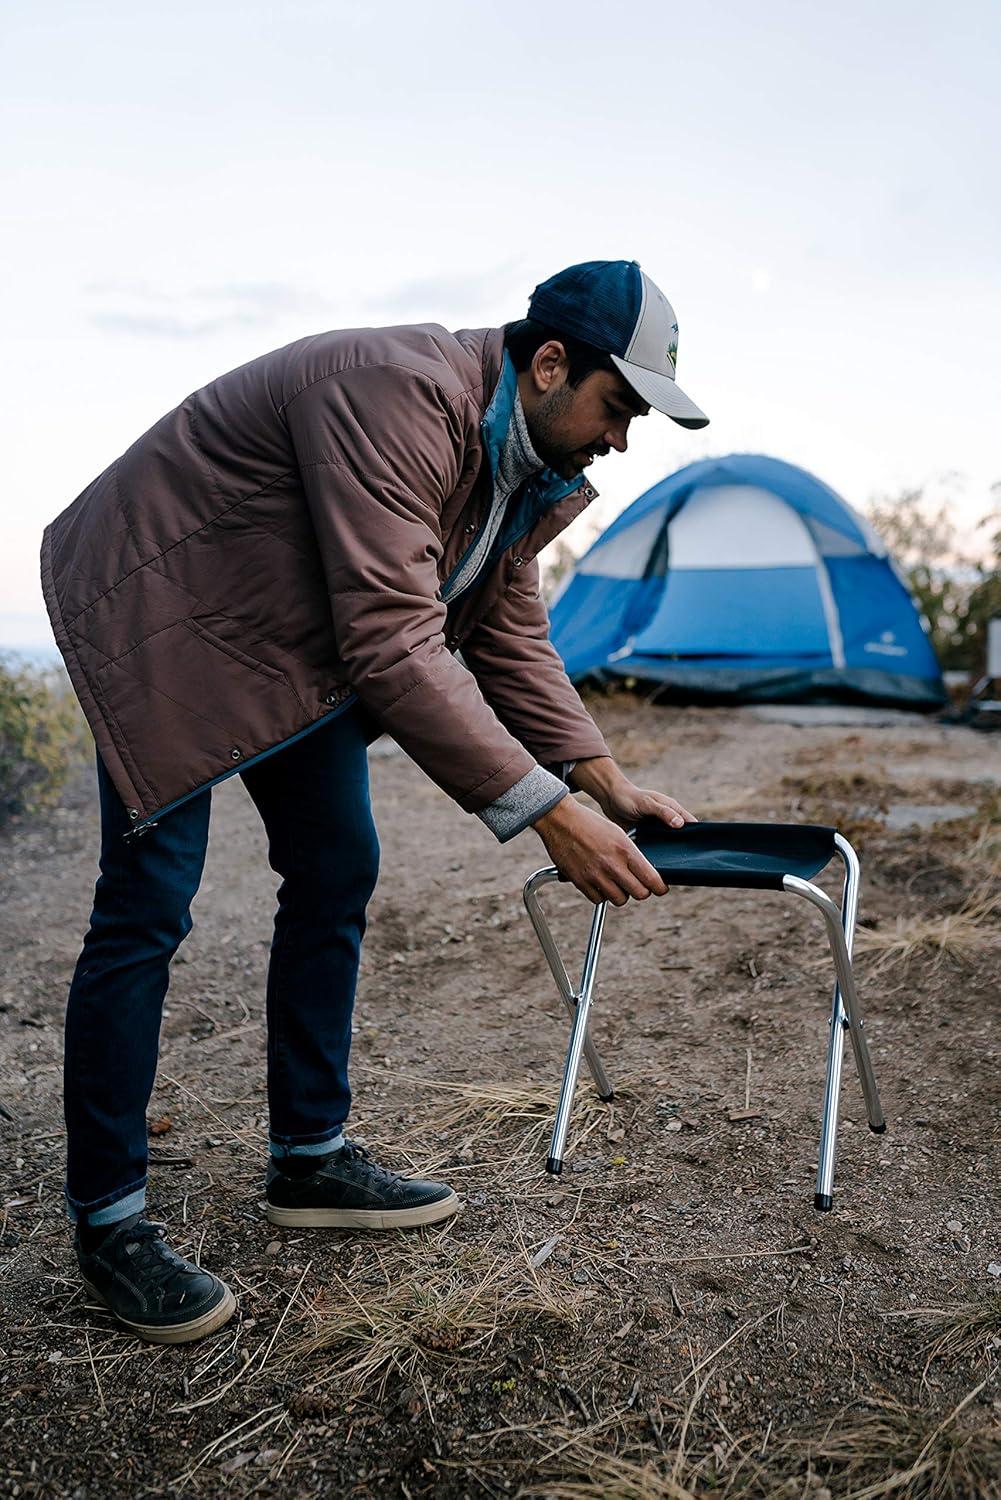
{"x":984,"y":855}
{"x":420,"y":1317}
{"x":487,"y":1107}
{"x":972,"y":931}
{"x":607,"y":1474}
{"x":481,"y":1115}
{"x":970,"y":1331}
{"x":896,"y":1450}
{"x":902,"y":1450}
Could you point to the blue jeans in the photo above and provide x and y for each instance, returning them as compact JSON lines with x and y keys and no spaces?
{"x":313,"y":797}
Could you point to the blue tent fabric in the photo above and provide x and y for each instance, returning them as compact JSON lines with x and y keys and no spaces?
{"x":746,"y":579}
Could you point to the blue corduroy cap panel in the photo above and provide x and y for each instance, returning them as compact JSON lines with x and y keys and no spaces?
{"x":598,"y":301}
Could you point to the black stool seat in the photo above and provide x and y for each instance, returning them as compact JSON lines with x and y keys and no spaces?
{"x":751,"y":855}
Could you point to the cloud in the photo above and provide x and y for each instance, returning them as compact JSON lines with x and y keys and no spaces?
{"x":471,"y":292}
{"x":167,"y":327}
{"x":141,"y":310}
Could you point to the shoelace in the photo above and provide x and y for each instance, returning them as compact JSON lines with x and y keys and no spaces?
{"x":151,"y":1252}
{"x":353,"y":1152}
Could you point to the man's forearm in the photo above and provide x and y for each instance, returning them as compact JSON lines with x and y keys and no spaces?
{"x":598,"y":776}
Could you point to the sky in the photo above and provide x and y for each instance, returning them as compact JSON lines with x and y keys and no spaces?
{"x":816,"y":189}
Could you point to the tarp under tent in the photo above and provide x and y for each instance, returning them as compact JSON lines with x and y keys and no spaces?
{"x":746,"y":579}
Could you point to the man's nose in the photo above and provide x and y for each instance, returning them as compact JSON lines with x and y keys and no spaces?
{"x":615,"y":437}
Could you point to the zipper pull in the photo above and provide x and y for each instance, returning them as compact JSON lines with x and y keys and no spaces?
{"x":137,"y":833}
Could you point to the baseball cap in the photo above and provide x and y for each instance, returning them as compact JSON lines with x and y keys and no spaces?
{"x":614,"y":306}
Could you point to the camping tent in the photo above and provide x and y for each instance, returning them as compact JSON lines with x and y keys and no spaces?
{"x":746,"y":578}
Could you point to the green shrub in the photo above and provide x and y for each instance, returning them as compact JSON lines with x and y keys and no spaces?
{"x":42,"y":734}
{"x":957,"y":592}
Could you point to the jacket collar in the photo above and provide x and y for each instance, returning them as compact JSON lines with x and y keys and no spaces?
{"x":548,"y":487}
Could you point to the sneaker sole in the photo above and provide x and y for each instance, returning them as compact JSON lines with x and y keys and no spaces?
{"x":175,"y":1333}
{"x":364,"y":1218}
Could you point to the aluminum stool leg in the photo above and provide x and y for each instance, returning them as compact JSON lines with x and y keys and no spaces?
{"x":823,"y":1199}
{"x":578,"y":1038}
{"x":566,"y":989}
{"x":845,"y":1015}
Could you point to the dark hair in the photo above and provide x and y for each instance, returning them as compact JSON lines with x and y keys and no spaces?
{"x":522,"y":339}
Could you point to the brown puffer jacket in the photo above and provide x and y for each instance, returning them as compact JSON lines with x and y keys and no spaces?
{"x":282,"y":540}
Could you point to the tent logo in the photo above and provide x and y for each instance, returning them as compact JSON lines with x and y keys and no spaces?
{"x":885,"y":645}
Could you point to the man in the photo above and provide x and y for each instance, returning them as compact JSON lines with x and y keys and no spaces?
{"x":279,"y":570}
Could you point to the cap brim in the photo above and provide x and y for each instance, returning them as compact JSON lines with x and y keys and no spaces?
{"x":662,"y":392}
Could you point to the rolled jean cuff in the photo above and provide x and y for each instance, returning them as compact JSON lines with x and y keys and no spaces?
{"x":133,"y":1201}
{"x":522,"y":803}
{"x":282,"y":1149}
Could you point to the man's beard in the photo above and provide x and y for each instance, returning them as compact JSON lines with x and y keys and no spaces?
{"x":543,"y":427}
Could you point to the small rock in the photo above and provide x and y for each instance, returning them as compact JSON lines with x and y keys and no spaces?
{"x":233,"y":1464}
{"x":954,"y":1226}
{"x":55,"y":1356}
{"x":994,"y":1269}
{"x":273,"y":1247}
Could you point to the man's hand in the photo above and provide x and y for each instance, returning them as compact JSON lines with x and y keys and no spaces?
{"x":596,"y":855}
{"x":590,"y":850}
{"x":623,"y":802}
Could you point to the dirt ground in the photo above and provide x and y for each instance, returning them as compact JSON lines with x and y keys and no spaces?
{"x":672,"y":1317}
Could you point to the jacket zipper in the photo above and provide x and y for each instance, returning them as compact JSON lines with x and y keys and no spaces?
{"x":161,"y":812}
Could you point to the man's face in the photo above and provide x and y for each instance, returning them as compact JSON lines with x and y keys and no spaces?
{"x":570,"y":426}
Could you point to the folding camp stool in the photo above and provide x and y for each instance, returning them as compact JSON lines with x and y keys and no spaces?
{"x":750,"y":856}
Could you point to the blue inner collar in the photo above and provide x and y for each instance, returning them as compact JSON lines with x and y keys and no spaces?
{"x":546,"y":486}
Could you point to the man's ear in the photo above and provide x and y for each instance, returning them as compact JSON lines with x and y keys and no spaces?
{"x":549,"y":364}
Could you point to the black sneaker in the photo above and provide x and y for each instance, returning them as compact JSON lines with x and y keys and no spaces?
{"x":151,"y":1289}
{"x":347,"y":1190}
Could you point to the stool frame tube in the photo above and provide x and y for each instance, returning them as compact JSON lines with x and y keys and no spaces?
{"x":578,"y":1002}
{"x":846,"y":1012}
{"x":846,"y":1015}
{"x":569,"y":994}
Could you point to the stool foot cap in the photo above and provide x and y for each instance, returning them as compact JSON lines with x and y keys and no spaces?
{"x":607,"y":1098}
{"x":878,"y":1129}
{"x":823,"y":1202}
{"x":554,"y":1165}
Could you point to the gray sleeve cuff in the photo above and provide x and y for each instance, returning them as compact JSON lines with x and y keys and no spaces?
{"x":522,"y":803}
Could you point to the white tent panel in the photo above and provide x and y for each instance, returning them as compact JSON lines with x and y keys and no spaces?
{"x":831,"y":543}
{"x":739,"y":526}
{"x":625,"y":555}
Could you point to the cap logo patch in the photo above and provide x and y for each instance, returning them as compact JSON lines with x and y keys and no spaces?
{"x":672,"y":349}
